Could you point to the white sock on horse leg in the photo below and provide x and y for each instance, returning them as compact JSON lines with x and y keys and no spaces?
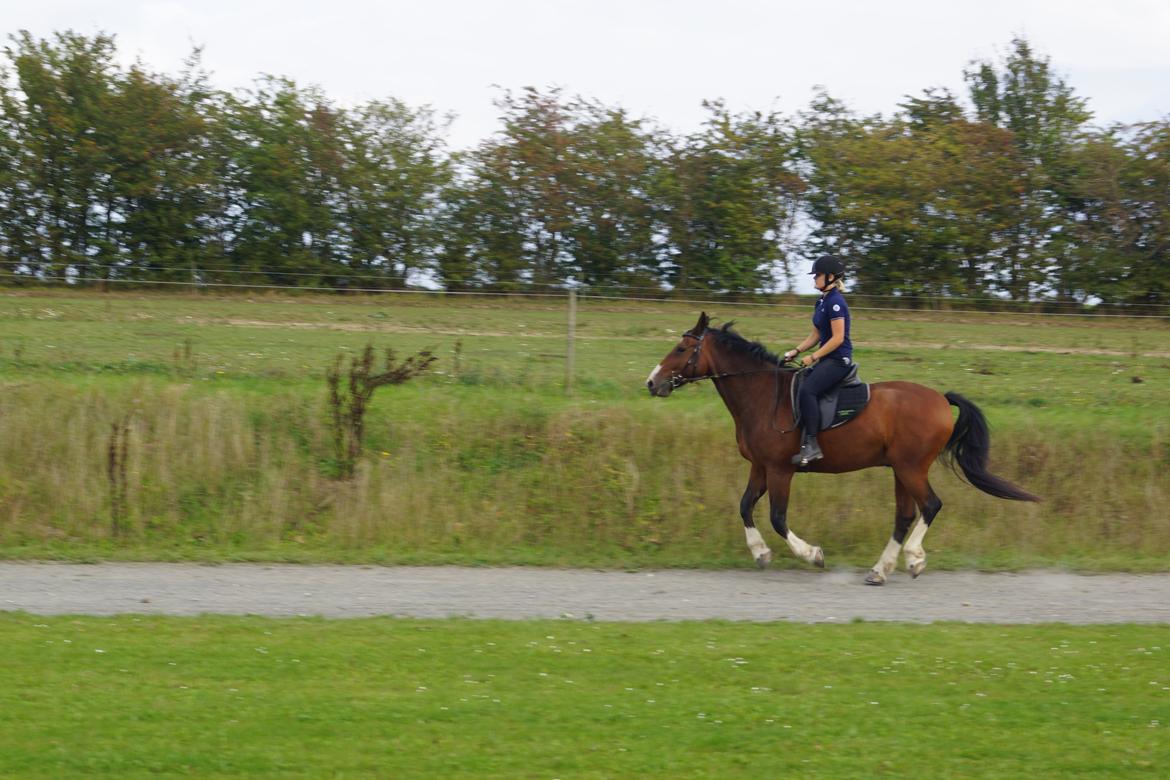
{"x":755,"y":542}
{"x":889,"y":558}
{"x":913,"y":548}
{"x":800,"y":548}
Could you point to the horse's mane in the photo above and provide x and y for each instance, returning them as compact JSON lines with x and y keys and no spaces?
{"x":732,"y":340}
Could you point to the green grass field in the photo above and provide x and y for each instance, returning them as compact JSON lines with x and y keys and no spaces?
{"x":228,"y":452}
{"x":238,"y":697}
{"x":488,"y":461}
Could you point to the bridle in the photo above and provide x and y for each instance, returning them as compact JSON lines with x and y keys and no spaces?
{"x":677,"y":380}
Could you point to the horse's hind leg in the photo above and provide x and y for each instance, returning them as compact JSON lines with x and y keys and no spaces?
{"x":778,"y":484}
{"x":929,"y":504}
{"x":757,"y":485}
{"x":904,"y":513}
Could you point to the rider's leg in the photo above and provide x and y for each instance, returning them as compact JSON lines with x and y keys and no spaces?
{"x":819,"y":380}
{"x":810,"y":449}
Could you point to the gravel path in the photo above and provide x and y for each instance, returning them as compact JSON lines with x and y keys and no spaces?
{"x":520,"y":593}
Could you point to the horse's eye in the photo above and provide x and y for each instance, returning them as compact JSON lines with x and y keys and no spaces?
{"x":681,"y":350}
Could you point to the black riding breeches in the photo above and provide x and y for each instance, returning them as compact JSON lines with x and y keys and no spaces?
{"x":817,"y":381}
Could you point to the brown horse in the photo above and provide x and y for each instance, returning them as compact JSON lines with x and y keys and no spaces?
{"x":905,"y":426}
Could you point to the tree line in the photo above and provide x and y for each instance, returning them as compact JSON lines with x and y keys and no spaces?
{"x":114,"y":173}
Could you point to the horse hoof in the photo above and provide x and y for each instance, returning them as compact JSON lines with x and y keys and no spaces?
{"x":874,"y":578}
{"x":818,"y":558}
{"x":916,"y":568}
{"x":764,"y":559}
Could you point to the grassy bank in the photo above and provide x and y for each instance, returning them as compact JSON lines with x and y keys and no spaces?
{"x":216,"y":413}
{"x":215,"y":697}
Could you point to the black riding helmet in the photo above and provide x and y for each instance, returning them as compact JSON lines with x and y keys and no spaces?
{"x":829,"y":264}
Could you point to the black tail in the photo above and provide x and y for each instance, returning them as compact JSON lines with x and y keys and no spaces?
{"x":967,"y":450}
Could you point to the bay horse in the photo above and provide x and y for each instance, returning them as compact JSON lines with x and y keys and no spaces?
{"x":905,"y":426}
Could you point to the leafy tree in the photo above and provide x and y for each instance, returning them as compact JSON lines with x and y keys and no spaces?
{"x":396,"y":170}
{"x":60,"y":119}
{"x":461,"y":260}
{"x":726,"y":194}
{"x":486,"y":224}
{"x":560,"y":195}
{"x":287,"y":164}
{"x":978,"y":178}
{"x":112,"y":173}
{"x":18,"y":234}
{"x":107,"y":173}
{"x":611,"y":223}
{"x":919,"y":203}
{"x":157,"y":193}
{"x":1122,"y":234}
{"x":1147,"y":193}
{"x":528,"y":164}
{"x":1045,"y":117}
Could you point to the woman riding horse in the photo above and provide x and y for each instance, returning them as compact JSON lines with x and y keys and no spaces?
{"x":831,"y":362}
{"x":905,"y":427}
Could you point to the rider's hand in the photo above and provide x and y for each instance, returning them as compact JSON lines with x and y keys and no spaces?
{"x":790,"y":354}
{"x":807,"y":360}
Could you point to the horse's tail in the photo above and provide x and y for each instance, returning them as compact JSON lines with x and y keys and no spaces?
{"x":967,"y":450}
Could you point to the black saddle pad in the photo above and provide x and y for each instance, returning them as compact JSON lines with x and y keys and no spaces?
{"x":841,"y":404}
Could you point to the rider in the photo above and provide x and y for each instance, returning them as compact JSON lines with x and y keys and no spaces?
{"x":831,"y":361}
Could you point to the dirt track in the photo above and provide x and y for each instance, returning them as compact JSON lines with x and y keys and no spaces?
{"x":520,"y":593}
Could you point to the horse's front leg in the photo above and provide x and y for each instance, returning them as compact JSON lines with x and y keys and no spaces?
{"x":757,"y":484}
{"x":779,"y":481}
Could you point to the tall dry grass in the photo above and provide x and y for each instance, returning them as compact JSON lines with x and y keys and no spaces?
{"x":482,"y":478}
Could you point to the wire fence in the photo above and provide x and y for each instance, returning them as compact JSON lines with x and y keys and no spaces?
{"x":958,"y":304}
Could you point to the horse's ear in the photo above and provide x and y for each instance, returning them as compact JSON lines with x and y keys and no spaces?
{"x":702,"y":324}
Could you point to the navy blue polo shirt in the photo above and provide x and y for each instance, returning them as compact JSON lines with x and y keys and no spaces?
{"x":831,"y":307}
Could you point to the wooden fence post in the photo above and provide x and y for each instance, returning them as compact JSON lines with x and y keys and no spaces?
{"x":569,"y":352}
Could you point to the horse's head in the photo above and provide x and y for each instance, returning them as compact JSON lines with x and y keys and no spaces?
{"x":685,"y":361}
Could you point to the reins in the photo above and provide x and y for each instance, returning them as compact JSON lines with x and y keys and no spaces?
{"x":776,"y":405}
{"x":678,"y":380}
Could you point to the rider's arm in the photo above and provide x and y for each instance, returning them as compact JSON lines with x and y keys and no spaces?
{"x":814,"y":338}
{"x":807,"y":344}
{"x":836,"y":340}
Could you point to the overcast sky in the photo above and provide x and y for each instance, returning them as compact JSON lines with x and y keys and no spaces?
{"x":656,"y":58}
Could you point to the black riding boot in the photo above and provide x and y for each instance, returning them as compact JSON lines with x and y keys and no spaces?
{"x":810,"y":450}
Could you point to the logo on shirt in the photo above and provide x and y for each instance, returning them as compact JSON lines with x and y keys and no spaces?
{"x":836,"y":307}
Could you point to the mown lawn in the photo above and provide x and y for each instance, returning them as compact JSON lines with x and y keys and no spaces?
{"x":253,"y":697}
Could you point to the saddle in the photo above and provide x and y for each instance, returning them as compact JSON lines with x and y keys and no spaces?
{"x":838,"y":406}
